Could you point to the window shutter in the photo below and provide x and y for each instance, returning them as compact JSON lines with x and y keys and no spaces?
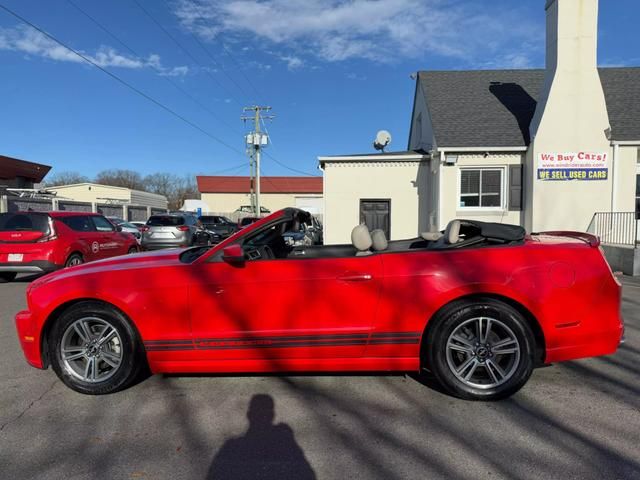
{"x":515,"y":187}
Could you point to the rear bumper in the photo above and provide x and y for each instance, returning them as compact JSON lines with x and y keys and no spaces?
{"x":29,"y":340}
{"x":36,"y":266}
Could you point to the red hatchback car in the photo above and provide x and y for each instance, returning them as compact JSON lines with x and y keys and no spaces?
{"x":37,"y":242}
{"x":479,"y":305}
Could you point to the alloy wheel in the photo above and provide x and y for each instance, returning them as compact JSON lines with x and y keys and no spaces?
{"x":91,"y":349}
{"x":483,"y":352}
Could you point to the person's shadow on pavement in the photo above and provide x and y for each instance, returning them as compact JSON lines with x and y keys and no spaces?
{"x":265,"y":451}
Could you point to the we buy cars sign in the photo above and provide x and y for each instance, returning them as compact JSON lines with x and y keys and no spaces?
{"x":573,"y":166}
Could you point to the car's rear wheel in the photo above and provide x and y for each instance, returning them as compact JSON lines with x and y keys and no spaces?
{"x":73,"y":260}
{"x":480,"y":349}
{"x":6,"y":277}
{"x":94,"y":349}
{"x":133,"y":250}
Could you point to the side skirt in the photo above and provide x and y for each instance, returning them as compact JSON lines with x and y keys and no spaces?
{"x":309,"y":365}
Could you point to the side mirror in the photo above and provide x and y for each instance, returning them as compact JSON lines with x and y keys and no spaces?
{"x":118,"y":228}
{"x":233,"y":254}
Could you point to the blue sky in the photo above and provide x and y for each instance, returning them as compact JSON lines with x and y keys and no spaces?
{"x":334,"y":72}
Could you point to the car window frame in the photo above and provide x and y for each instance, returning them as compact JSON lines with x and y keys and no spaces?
{"x":97,"y":229}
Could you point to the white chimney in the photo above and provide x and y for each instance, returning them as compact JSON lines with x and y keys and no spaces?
{"x":570,"y":117}
{"x":572,"y":98}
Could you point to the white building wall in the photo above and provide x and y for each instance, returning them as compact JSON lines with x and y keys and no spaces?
{"x":346,"y":183}
{"x":449,"y":204}
{"x":229,"y":202}
{"x":86,"y":192}
{"x":96,"y":193}
{"x":571,"y":116}
{"x":421,"y":135}
{"x":624,"y":175}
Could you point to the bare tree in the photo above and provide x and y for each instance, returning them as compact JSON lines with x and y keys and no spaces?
{"x":187,"y":188}
{"x":121,"y":178}
{"x":65,"y":178}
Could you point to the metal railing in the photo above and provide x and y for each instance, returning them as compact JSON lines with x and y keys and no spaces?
{"x":616,"y":228}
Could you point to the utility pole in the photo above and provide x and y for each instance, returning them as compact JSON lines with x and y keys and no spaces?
{"x":255,"y":141}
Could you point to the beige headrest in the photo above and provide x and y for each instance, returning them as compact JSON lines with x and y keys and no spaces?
{"x":379,"y":240}
{"x":361,"y":238}
{"x":431,"y":236}
{"x":452,"y":232}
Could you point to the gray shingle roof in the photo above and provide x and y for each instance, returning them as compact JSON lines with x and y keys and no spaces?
{"x":493,"y":108}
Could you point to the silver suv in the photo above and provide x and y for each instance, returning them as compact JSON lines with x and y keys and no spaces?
{"x":169,"y":230}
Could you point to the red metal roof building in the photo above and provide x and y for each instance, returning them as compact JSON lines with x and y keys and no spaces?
{"x":232,"y":184}
{"x":226,"y":194}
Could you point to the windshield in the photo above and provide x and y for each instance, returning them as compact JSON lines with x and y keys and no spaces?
{"x":26,"y":222}
{"x":165,"y":221}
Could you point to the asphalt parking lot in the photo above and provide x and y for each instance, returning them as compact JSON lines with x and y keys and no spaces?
{"x":579,"y":420}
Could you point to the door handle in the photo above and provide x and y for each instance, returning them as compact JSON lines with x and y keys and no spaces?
{"x":356,"y":277}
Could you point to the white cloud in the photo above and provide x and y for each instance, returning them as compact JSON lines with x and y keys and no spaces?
{"x":377,"y":30}
{"x":293,"y":63}
{"x":31,"y":42}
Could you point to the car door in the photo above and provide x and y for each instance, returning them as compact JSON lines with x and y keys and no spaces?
{"x":110,"y":242}
{"x":284,"y":308}
{"x":84,"y":236}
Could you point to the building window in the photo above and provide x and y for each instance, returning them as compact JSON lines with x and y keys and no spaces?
{"x":481,"y":188}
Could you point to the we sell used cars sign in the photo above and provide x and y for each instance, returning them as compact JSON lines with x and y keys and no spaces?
{"x":573,"y":166}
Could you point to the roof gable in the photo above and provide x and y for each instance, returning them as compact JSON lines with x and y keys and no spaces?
{"x":233,"y":184}
{"x":493,"y":108}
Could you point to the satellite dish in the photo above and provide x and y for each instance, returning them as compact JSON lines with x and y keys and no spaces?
{"x":383,"y":138}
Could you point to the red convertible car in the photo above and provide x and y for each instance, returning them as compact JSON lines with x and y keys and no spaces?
{"x":479,"y":305}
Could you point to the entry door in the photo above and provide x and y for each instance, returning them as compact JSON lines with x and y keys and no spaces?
{"x":284,"y":308}
{"x":376,"y":214}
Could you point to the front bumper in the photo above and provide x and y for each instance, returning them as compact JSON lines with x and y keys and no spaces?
{"x":29,"y":340}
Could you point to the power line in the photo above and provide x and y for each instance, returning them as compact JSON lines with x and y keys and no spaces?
{"x":156,"y":69}
{"x":264,"y":125}
{"x":241,"y":70}
{"x":184,"y":49}
{"x":234,"y":169}
{"x":283,"y":165}
{"x":120,"y":80}
{"x":209,"y":54}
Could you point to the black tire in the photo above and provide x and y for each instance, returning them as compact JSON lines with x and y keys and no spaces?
{"x":131,"y":353}
{"x":6,"y":277}
{"x":132,"y":250}
{"x":463,"y":318}
{"x":74,"y":260}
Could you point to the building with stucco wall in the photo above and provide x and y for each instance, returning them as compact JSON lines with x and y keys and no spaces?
{"x":108,"y":194}
{"x":226,"y":194}
{"x":542,"y":148}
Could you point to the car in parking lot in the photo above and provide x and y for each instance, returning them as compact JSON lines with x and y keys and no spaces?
{"x":37,"y":242}
{"x":170,"y":230}
{"x":219,"y":225}
{"x":246,"y":221}
{"x":126,"y":227}
{"x":480,"y":305}
{"x":306,"y":233}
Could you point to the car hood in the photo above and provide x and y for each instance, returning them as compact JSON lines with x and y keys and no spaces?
{"x":160,"y":258}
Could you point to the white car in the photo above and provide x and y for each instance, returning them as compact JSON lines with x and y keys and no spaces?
{"x":127,"y":227}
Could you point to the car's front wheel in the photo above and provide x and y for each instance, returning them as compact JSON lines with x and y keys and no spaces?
{"x":94,"y":349}
{"x":480,"y":349}
{"x":6,"y":277}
